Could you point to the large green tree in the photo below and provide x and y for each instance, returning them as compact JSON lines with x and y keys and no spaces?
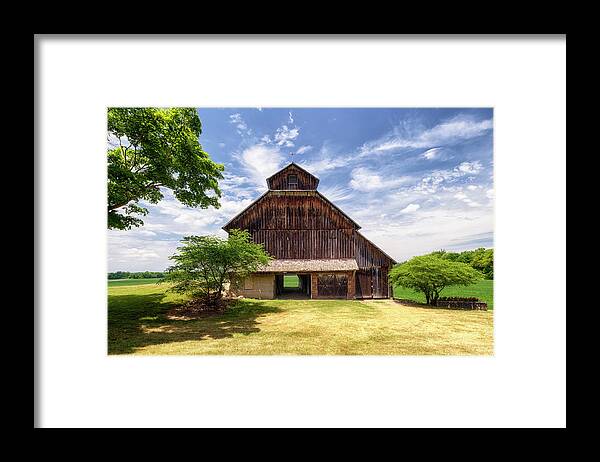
{"x":430,"y":274}
{"x":204,"y":264}
{"x":150,"y":148}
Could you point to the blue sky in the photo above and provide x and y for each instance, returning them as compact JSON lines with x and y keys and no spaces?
{"x":416,"y":180}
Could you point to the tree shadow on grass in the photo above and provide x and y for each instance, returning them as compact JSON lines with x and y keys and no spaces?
{"x":136,"y":321}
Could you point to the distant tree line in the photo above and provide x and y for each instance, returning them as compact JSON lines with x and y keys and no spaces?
{"x":138,"y":275}
{"x":481,"y":259}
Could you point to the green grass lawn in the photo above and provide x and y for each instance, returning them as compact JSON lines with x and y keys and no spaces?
{"x":484,"y":290}
{"x":138,"y":323}
{"x":131,"y":282}
{"x":291,"y":281}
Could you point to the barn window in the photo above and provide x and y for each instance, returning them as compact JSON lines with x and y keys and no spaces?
{"x":248,"y":284}
{"x":293,"y":181}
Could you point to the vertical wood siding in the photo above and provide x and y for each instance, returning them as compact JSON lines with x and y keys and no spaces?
{"x":368,"y":255}
{"x":372,"y":282}
{"x":287,"y":210}
{"x":301,"y":225}
{"x":374,"y":265}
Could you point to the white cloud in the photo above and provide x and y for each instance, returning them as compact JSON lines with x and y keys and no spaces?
{"x":437,"y":154}
{"x":431,"y":154}
{"x":461,"y":196}
{"x":336,"y":193}
{"x":363,"y":179}
{"x":325,"y":160}
{"x":303,"y":149}
{"x":240,"y":124}
{"x":126,"y":252}
{"x":404,"y":235}
{"x":284,"y":136}
{"x":259,"y":162}
{"x":139,"y":253}
{"x":432,"y":181}
{"x":470,"y":168}
{"x":410,"y":208}
{"x":449,"y":214}
{"x":237,"y":120}
{"x":457,"y":129}
{"x":230,"y":181}
{"x":317,"y":167}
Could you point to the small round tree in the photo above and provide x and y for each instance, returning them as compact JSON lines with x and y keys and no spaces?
{"x":204,"y":264}
{"x":430,"y":274}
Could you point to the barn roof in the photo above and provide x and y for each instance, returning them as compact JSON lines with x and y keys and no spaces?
{"x":294,"y":266}
{"x":298,"y":192}
{"x":287,"y":167}
{"x":377,"y":247}
{"x":252,"y":204}
{"x":338,"y":209}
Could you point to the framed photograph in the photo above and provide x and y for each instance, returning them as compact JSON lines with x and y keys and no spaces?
{"x":301,"y":231}
{"x":251,"y":243}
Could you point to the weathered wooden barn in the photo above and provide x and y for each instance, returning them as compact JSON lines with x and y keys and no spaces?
{"x":312,"y":238}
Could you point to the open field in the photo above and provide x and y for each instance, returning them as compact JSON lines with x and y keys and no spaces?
{"x":138,"y":324}
{"x":484,"y":290}
{"x":291,"y":281}
{"x":131,"y":282}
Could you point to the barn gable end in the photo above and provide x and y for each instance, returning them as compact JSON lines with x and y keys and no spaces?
{"x":293,"y":177}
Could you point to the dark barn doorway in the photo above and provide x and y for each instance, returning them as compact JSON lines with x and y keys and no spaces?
{"x":291,"y":285}
{"x":332,"y":285}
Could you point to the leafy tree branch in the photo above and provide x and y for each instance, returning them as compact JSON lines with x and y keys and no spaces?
{"x":153,"y":148}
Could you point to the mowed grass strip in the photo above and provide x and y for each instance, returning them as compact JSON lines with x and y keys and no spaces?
{"x":483,"y":290}
{"x":138,"y":324}
{"x":131,"y":282}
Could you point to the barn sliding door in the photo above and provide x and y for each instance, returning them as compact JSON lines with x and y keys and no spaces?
{"x":380,"y":282}
{"x":332,"y":285}
{"x":372,"y":283}
{"x":363,"y":285}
